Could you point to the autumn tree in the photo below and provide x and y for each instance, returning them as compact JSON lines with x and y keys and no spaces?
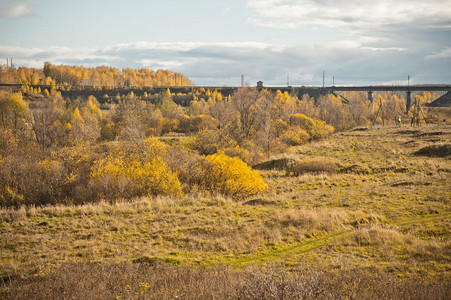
{"x":334,"y":112}
{"x":244,"y":102}
{"x":267,"y":135}
{"x":359,"y":108}
{"x":15,"y":114}
{"x":133,"y":118}
{"x":48,"y":122}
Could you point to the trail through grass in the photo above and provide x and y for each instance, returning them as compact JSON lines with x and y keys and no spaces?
{"x":311,"y":244}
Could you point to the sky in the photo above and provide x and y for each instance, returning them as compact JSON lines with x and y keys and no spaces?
{"x":355,"y":42}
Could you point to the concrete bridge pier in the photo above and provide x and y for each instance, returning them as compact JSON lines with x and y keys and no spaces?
{"x":370,"y":97}
{"x":408,"y":100}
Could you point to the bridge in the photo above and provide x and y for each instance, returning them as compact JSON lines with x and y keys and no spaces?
{"x":394,"y":88}
{"x":313,"y":91}
{"x":369,"y":89}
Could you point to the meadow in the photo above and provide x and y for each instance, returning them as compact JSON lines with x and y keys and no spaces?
{"x":361,"y":214}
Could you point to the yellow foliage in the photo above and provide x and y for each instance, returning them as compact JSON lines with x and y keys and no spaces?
{"x":10,"y":197}
{"x":283,"y":98}
{"x":315,"y":128}
{"x":216,"y":95}
{"x":152,"y":147}
{"x":202,"y":122}
{"x":143,"y":176}
{"x":168,"y":125}
{"x":94,"y":108}
{"x":232,"y":177}
{"x":239,"y":152}
{"x":76,"y":117}
{"x":17,"y":101}
{"x":295,"y":137}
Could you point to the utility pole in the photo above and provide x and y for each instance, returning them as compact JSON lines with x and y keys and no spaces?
{"x":323,"y":78}
{"x":7,"y":63}
{"x":333,"y":80}
{"x":242,"y":80}
{"x":409,"y":93}
{"x":288,"y":79}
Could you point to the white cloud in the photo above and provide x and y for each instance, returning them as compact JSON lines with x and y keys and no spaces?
{"x":223,"y":63}
{"x":444,"y":54}
{"x":355,"y":14}
{"x":160,"y":64}
{"x":17,"y":10}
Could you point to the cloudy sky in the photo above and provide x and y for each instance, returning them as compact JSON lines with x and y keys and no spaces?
{"x":213,"y":42}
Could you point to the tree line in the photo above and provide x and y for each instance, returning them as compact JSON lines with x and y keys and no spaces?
{"x":104,"y":76}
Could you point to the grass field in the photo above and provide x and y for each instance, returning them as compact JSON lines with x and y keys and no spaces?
{"x":383,"y":209}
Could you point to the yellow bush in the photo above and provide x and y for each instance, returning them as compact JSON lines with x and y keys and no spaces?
{"x":232,"y":177}
{"x":321,"y":129}
{"x":315,"y":128}
{"x":295,"y":137}
{"x":121,"y":175}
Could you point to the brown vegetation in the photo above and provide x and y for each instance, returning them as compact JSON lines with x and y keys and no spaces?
{"x":443,"y":150}
{"x":312,"y":165}
{"x":144,"y":281}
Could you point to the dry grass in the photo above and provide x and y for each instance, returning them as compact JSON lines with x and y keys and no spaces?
{"x":385,"y":210}
{"x":189,"y":231}
{"x":313,"y":165}
{"x":443,"y":150}
{"x":142,"y":281}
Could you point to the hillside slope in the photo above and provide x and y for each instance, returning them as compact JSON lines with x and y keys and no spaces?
{"x":384,"y":207}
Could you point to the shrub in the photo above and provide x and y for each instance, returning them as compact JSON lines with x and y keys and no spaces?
{"x":295,"y":137}
{"x":206,"y":142}
{"x":232,"y":177}
{"x":165,"y":281}
{"x":135,"y":172}
{"x":312,"y":165}
{"x":239,"y":152}
{"x":311,"y":128}
{"x":443,"y":150}
{"x":28,"y":181}
{"x":275,"y":164}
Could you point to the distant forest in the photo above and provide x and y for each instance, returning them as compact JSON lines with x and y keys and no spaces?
{"x":99,"y":76}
